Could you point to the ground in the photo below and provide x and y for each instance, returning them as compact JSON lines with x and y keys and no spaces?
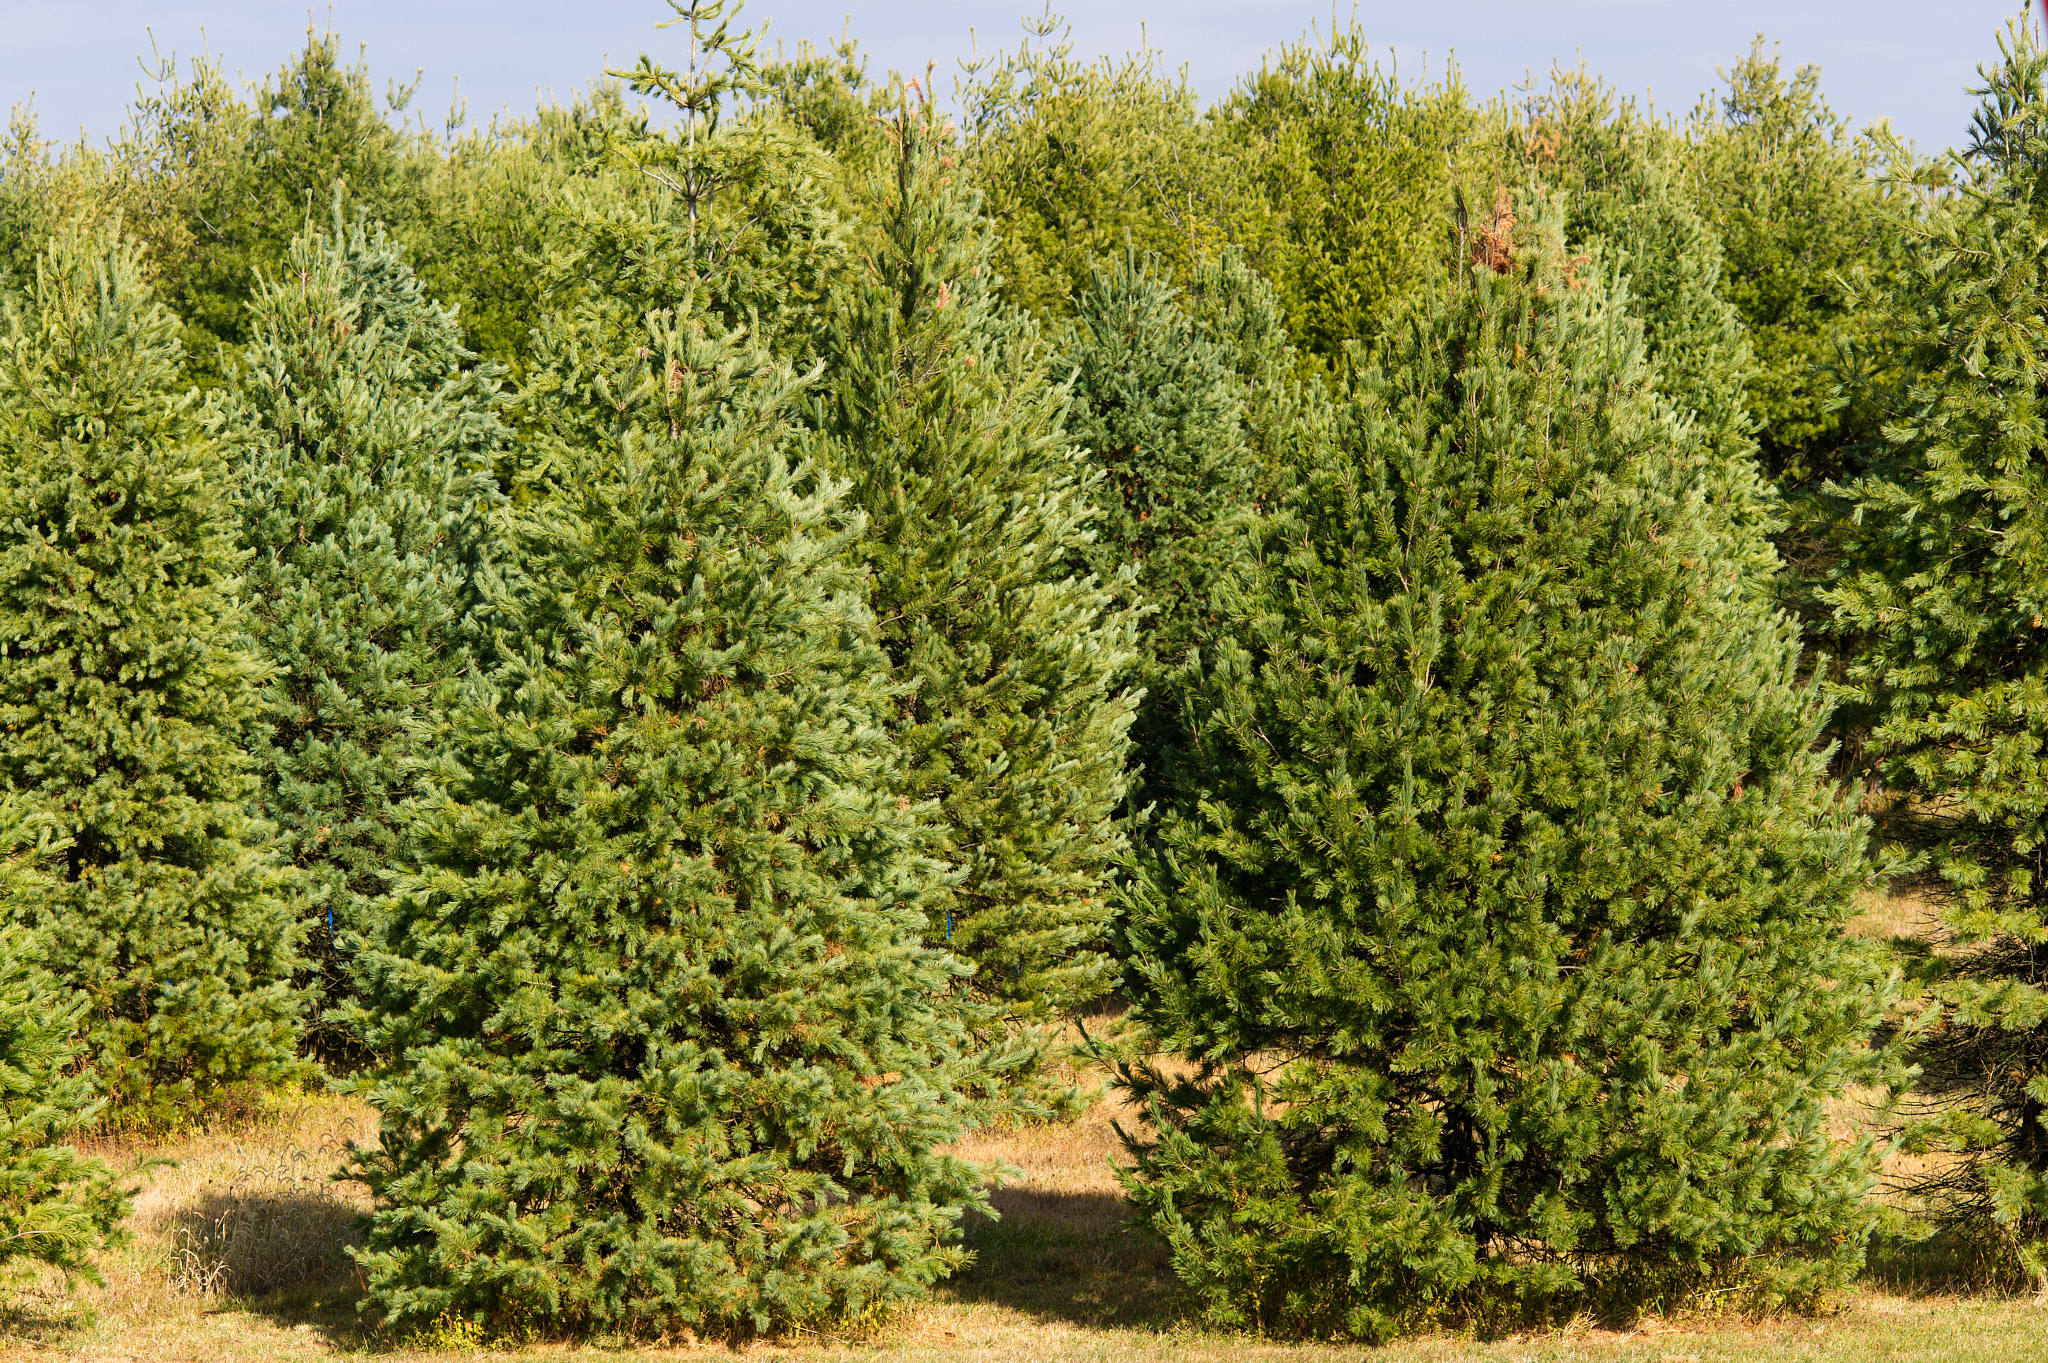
{"x":238,"y":1257}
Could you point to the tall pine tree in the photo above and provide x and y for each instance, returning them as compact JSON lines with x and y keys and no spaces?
{"x":1945,"y":578}
{"x":939,"y":410}
{"x":1505,"y":927}
{"x":125,"y":687}
{"x":370,"y":511}
{"x":669,"y":1051}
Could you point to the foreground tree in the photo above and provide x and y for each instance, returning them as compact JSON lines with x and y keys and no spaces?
{"x":941,"y":413}
{"x":57,"y":1207}
{"x":1946,"y":578}
{"x":125,"y":688}
{"x":369,"y":506}
{"x":1506,"y":927}
{"x":669,"y":1050}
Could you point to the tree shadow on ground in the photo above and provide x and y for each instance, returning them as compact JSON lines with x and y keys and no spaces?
{"x":281,"y":1255}
{"x":1075,"y":1257}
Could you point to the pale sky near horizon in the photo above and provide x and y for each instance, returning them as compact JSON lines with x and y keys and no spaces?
{"x":1906,"y":60}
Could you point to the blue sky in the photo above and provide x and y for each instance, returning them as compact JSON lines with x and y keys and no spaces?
{"x":1907,"y":60}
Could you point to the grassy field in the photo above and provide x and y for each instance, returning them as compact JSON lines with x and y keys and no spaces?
{"x":240,"y":1239}
{"x":238,"y":1256}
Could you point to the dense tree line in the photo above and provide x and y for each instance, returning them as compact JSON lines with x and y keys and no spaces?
{"x":662,"y":646}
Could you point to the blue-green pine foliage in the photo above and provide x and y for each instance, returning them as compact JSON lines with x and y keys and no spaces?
{"x":669,"y":1051}
{"x":368,"y":505}
{"x":1158,"y":403}
{"x":125,"y":689}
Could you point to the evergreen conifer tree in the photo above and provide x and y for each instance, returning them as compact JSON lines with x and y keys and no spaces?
{"x":939,"y":410}
{"x":1945,"y":579}
{"x":670,"y":1051}
{"x":368,"y":505}
{"x":1505,"y":924}
{"x":125,"y":687}
{"x":1794,"y":197}
{"x":1159,"y":405}
{"x":57,"y":1207}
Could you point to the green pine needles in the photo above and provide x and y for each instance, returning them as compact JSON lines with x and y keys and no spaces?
{"x":1505,"y":929}
{"x":369,"y":508}
{"x":57,"y":1207}
{"x":1946,"y":576}
{"x":125,"y":689}
{"x":670,"y":1052}
{"x":1159,"y":405}
{"x":1015,"y":718}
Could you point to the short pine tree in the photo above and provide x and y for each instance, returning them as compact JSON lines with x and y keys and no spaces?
{"x":669,"y":1050}
{"x":1159,"y":405}
{"x":370,"y":512}
{"x":57,"y":1207}
{"x":939,"y":409}
{"x":1945,"y":579}
{"x":1505,"y":929}
{"x":125,"y":688}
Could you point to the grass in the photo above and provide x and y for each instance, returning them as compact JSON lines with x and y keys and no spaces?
{"x":241,"y":1236}
{"x":239,"y":1256}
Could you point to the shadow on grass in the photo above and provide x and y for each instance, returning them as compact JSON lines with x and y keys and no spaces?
{"x":40,"y":1311}
{"x":1074,"y":1257}
{"x":1951,"y":1262}
{"x":278,"y":1254}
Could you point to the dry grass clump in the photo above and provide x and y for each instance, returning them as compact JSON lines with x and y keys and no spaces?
{"x":249,"y":1207}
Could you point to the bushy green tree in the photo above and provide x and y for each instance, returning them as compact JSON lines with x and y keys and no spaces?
{"x":1159,"y":405}
{"x":1077,"y":161}
{"x":57,"y":1207}
{"x":1356,"y":174}
{"x":1505,"y":929}
{"x":1945,"y":579}
{"x":125,"y":688}
{"x":939,"y":409}
{"x":217,"y":187}
{"x":669,"y":1050}
{"x":365,"y":475}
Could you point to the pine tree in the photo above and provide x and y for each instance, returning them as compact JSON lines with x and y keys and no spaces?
{"x":124,"y":687}
{"x":940,"y":412}
{"x":1159,"y":405}
{"x":1945,"y":578}
{"x":368,"y":504}
{"x":670,"y":1053}
{"x":1355,"y":172}
{"x":57,"y":1207}
{"x":218,"y":189}
{"x":1505,"y":926}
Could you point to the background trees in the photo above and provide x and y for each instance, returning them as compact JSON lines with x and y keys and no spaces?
{"x":941,"y":414}
{"x":746,"y":610}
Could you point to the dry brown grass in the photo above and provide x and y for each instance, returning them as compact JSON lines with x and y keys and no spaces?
{"x":1899,"y":912}
{"x":240,"y":1256}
